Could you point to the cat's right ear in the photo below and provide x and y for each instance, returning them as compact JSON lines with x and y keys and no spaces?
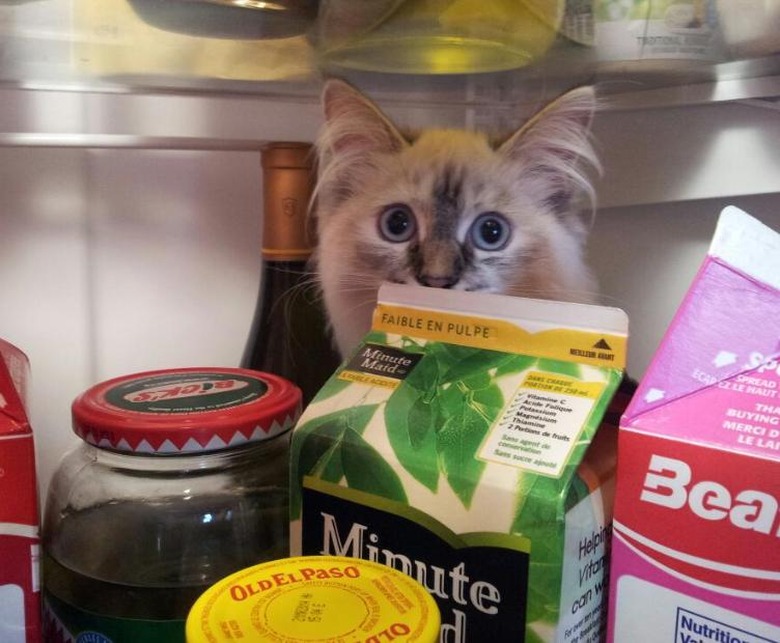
{"x":350,"y":146}
{"x":354,"y":125}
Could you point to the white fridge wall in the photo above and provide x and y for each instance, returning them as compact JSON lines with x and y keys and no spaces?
{"x":114,"y":261}
{"x":45,"y":306}
{"x":118,"y":261}
{"x":688,"y":153}
{"x":175,"y":240}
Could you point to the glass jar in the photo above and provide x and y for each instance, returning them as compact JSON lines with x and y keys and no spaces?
{"x":181,"y":478}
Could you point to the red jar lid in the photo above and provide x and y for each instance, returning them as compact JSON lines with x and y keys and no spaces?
{"x":188,"y":410}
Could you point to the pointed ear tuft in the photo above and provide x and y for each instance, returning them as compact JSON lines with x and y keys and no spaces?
{"x":356,"y":133}
{"x":556,"y":144}
{"x":354,"y":123}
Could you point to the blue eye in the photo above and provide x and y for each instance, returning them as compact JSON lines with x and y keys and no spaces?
{"x":397,"y":223}
{"x":490,"y":231}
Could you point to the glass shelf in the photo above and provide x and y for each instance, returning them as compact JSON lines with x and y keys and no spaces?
{"x":107,"y":46}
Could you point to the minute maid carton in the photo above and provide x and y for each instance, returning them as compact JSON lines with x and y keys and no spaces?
{"x":459,"y":445}
{"x":696,"y":548}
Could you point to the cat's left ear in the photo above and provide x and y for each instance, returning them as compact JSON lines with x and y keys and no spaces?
{"x":555,"y":144}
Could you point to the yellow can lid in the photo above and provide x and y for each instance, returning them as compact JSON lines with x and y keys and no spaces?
{"x":315,"y":598}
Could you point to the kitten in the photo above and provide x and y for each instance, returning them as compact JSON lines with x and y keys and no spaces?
{"x":447,"y":209}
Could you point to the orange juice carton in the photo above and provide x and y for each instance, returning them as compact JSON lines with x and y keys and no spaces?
{"x":19,"y":540}
{"x":696,"y":540}
{"x":464,"y":443}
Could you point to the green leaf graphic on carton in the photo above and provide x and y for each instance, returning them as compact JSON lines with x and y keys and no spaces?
{"x":532,"y":637}
{"x":411,"y":416}
{"x":317,"y":450}
{"x":438,"y":416}
{"x":465,"y":362}
{"x":470,"y":407}
{"x":559,"y":367}
{"x":537,"y":517}
{"x":366,"y":470}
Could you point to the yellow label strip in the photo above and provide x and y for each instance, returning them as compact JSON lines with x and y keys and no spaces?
{"x":572,"y":345}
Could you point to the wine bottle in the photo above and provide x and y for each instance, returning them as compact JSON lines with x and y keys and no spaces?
{"x":288,"y":335}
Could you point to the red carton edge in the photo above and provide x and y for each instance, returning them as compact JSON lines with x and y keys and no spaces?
{"x":20,"y":610}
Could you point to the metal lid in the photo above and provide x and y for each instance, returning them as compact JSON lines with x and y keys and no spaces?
{"x":327,"y":599}
{"x":188,"y":410}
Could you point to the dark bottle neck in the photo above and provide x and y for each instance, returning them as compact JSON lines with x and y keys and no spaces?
{"x":289,"y":334}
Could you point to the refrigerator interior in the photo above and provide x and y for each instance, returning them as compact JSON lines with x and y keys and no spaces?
{"x":114,"y":262}
{"x":130,"y":216}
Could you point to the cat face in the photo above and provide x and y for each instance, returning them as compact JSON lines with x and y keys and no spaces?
{"x":447,"y":209}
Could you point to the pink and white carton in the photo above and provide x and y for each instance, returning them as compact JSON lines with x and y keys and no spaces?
{"x":696,"y":540}
{"x":20,"y":611}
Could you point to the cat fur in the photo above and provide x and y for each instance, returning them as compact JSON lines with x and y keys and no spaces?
{"x":537,"y":179}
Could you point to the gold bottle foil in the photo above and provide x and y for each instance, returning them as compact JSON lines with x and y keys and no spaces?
{"x":288,"y":182}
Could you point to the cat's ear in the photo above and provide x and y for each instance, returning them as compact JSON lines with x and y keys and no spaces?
{"x":555,"y":145}
{"x":354,"y":124}
{"x":355,"y":136}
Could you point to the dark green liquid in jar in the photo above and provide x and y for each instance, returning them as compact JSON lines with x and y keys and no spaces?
{"x":151,"y":561}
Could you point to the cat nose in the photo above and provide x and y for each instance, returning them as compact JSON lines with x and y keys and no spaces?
{"x":438,"y":263}
{"x":438,"y":282}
